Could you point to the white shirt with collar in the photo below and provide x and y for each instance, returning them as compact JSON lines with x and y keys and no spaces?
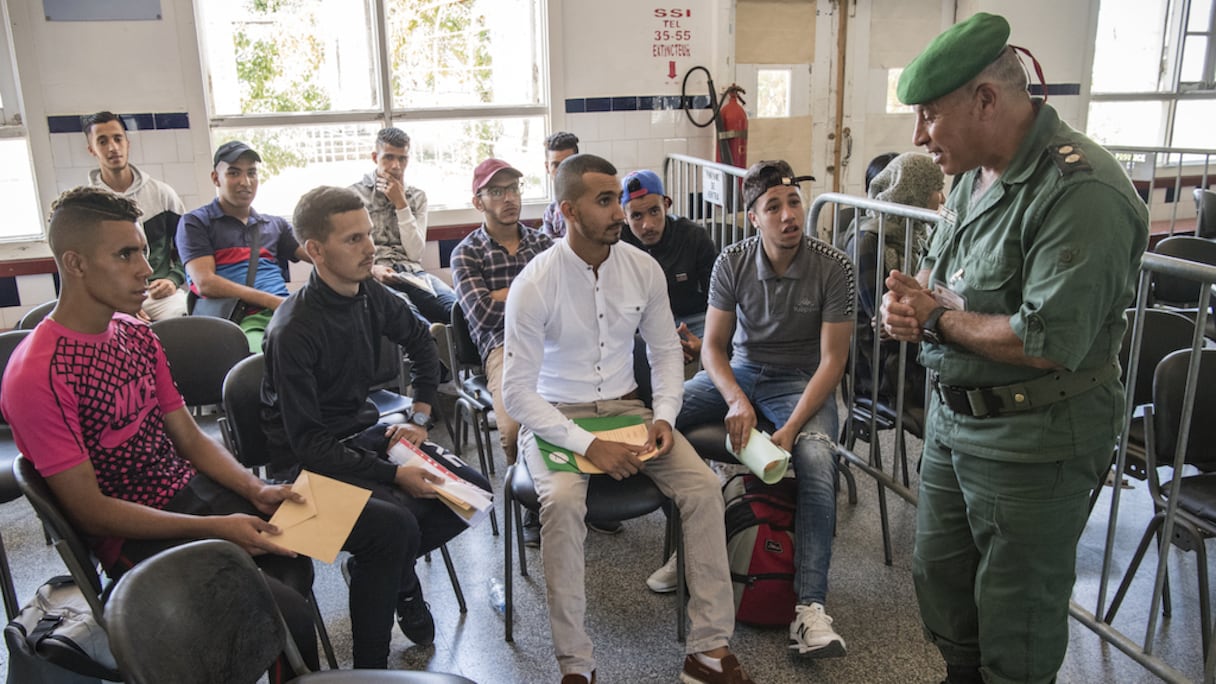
{"x":569,"y":339}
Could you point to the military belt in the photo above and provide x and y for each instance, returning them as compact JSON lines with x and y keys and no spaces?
{"x":987,"y":402}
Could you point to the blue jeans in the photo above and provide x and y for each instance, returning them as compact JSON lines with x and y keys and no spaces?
{"x":430,"y":307}
{"x":774,"y":392}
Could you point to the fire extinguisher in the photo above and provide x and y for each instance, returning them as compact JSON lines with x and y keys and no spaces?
{"x":732,"y":127}
{"x":730,"y":121}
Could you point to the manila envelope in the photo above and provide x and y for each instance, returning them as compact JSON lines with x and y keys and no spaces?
{"x":318,"y":527}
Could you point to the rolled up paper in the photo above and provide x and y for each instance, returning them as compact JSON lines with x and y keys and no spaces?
{"x":765,"y":459}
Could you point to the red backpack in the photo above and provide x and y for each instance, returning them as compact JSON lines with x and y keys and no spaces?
{"x":760,"y":547}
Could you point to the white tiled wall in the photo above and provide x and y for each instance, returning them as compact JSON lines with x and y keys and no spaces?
{"x":639,"y":140}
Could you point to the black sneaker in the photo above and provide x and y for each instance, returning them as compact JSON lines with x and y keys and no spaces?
{"x":415,"y":620}
{"x":532,"y":529}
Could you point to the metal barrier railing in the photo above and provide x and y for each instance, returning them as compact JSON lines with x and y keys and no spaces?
{"x":897,"y":480}
{"x":1190,"y":169}
{"x":710,"y":194}
{"x":1140,"y":651}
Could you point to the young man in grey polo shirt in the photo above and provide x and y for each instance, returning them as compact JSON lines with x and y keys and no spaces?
{"x":792,"y":298}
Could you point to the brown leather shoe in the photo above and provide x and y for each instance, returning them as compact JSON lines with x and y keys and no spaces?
{"x":696,"y":672}
{"x":575,"y":678}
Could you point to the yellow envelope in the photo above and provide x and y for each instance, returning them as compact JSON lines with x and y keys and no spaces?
{"x":319,"y":526}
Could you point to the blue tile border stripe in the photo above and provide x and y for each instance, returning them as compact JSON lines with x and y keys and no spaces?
{"x":160,"y":121}
{"x":634,"y":103}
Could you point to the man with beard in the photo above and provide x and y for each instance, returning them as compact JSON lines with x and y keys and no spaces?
{"x":571,"y":318}
{"x":484,"y":265}
{"x":399,"y":220}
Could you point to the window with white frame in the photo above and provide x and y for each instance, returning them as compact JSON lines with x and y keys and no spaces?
{"x":1154,"y":74}
{"x":18,"y":192}
{"x":309,"y":82}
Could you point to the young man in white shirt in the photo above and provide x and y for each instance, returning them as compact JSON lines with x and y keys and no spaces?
{"x":570,"y":322}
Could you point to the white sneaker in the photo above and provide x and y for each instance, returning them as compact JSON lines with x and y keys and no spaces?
{"x":663,"y":580}
{"x":811,"y":633}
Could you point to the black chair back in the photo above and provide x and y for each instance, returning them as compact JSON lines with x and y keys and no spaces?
{"x":1164,"y":332}
{"x":8,"y":344}
{"x":1205,"y":218}
{"x":462,"y":340}
{"x":195,"y":614}
{"x":1180,"y":292}
{"x":1169,"y":385}
{"x":201,"y":350}
{"x":243,"y":412}
{"x":34,"y":316}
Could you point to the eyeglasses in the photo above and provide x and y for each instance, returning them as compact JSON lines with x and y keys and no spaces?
{"x":500,"y":191}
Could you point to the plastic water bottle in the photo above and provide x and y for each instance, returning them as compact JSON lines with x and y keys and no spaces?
{"x":498,"y":594}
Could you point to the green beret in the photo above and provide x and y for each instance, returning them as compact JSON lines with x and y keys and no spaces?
{"x":956,"y":56}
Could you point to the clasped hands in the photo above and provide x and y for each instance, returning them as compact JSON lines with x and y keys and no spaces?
{"x":621,"y":460}
{"x":905,"y":307}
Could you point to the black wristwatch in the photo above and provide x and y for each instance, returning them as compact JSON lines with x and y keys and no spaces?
{"x":421,"y":419}
{"x":931,"y":331}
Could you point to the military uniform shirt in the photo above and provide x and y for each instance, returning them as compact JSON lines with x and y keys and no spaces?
{"x":1055,"y":244}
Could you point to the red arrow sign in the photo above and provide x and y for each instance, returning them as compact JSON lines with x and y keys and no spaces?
{"x":671,"y":70}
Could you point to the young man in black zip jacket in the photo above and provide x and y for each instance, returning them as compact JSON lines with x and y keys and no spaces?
{"x":321,"y":348}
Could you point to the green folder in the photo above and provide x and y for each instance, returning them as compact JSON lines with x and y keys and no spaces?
{"x":561,"y":459}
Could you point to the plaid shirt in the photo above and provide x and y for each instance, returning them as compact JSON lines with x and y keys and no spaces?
{"x":553,"y":223}
{"x":479,"y":266}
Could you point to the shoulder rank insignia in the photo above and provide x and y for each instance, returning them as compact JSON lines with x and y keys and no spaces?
{"x":1069,"y":158}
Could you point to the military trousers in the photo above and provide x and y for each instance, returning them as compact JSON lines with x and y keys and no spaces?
{"x":995,"y":557}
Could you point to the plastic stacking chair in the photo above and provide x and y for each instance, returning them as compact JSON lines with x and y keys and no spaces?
{"x":76,"y":556}
{"x":608,"y":501}
{"x":1195,"y":518}
{"x":34,"y":316}
{"x":201,"y":350}
{"x":9,"y":491}
{"x":473,"y":401}
{"x":1164,"y":332}
{"x":1205,"y":219}
{"x":202,"y":613}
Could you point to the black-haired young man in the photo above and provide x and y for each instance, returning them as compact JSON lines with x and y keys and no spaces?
{"x":399,"y":219}
{"x":558,"y":146}
{"x":106,"y":134}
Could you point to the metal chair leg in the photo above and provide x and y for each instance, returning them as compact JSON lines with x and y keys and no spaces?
{"x":508,"y":578}
{"x":447,"y":561}
{"x":321,"y":631}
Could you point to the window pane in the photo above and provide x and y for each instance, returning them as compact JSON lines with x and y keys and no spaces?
{"x":460,"y":53}
{"x":1193,"y":124}
{"x":442,"y":157}
{"x":1127,"y":52}
{"x":1194,"y":50}
{"x":444,"y":154}
{"x":1127,"y":124}
{"x":265,"y":56}
{"x":1201,"y":15}
{"x":773,"y":98}
{"x":17,"y":192}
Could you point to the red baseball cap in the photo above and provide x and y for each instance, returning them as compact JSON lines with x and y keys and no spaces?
{"x":486,"y":171}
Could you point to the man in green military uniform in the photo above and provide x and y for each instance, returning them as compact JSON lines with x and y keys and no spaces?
{"x":1019,"y":308}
